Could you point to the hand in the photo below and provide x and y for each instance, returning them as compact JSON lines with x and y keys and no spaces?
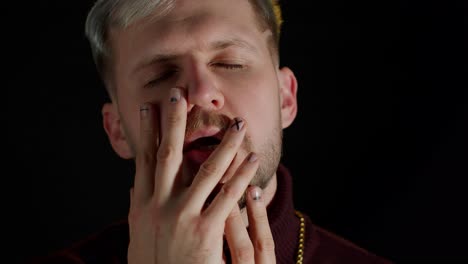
{"x":260,"y":245}
{"x":168,"y":221}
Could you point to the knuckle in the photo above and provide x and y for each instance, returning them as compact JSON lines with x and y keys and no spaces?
{"x":132,"y":217}
{"x":206,"y":233}
{"x":208,"y":168}
{"x":230,"y":145}
{"x":202,"y":255}
{"x":174,"y":118}
{"x":234,"y":215}
{"x":146,"y":157}
{"x":205,"y":228}
{"x":147,"y":127}
{"x":260,"y":217}
{"x":244,"y":253}
{"x":181,"y":219}
{"x":229,"y":191}
{"x":135,"y":215}
{"x":166,"y":154}
{"x":265,"y":244}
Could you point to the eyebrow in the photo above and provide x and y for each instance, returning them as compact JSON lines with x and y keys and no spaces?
{"x":216,"y":45}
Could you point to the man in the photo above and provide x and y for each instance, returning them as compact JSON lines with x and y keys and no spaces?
{"x":199,"y":101}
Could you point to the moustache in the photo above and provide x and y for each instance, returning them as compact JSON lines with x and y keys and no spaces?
{"x":198,"y":119}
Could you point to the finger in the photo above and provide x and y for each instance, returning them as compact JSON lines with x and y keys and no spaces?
{"x":169,"y":156}
{"x":215,"y":166}
{"x":259,"y":228}
{"x":131,"y":196}
{"x":232,"y":190}
{"x":238,"y":238}
{"x":131,"y":205}
{"x":145,"y":156}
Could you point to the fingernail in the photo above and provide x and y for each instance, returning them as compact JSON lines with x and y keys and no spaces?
{"x":175,"y":95}
{"x":256,"y":193}
{"x":237,"y":124}
{"x":144,"y":110}
{"x":252,"y":157}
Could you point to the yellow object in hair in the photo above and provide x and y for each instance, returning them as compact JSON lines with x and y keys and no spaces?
{"x":279,"y":18}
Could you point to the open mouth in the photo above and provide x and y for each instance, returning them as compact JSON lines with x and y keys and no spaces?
{"x":197,"y":151}
{"x":202,"y":144}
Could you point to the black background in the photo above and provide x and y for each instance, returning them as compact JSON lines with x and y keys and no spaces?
{"x":378,"y":150}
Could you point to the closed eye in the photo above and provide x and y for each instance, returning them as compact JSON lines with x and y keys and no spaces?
{"x":165,"y":76}
{"x":229,"y":66}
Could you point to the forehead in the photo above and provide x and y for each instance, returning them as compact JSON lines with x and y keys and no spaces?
{"x":189,"y":25}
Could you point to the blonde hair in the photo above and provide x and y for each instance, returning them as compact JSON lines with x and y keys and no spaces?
{"x":107,"y":14}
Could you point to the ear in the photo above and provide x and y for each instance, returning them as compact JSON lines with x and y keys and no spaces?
{"x":288,"y":96}
{"x":115,"y":132}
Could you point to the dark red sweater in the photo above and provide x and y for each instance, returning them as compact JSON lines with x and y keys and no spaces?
{"x":110,"y":245}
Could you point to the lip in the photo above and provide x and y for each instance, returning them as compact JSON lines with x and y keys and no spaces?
{"x":205,"y":132}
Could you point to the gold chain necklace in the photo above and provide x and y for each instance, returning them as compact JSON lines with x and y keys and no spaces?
{"x":300,"y":249}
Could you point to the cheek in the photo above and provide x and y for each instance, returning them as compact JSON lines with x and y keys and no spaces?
{"x":258,"y":88}
{"x":256,"y":100}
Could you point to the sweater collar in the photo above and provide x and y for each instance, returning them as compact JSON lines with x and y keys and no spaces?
{"x":284,"y":223}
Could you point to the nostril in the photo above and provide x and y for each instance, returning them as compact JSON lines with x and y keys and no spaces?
{"x":216,"y":103}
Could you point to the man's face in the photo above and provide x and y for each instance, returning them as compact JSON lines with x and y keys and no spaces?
{"x":215,"y":51}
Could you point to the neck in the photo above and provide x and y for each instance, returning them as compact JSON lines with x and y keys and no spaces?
{"x":267,"y":196}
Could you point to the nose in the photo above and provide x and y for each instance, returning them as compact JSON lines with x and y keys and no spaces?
{"x":202,"y":88}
